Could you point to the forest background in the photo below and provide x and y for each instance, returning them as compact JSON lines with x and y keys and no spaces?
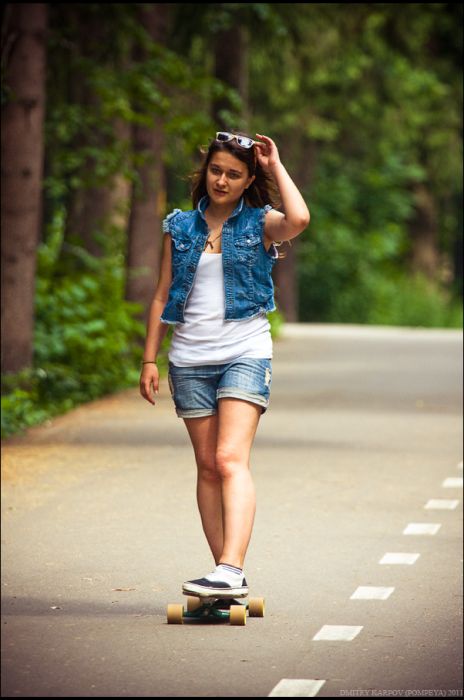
{"x":105,"y":108}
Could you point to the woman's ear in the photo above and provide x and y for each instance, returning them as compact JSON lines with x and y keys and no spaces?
{"x":250,"y":181}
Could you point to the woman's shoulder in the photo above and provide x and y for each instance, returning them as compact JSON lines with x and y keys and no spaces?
{"x":176,"y":218}
{"x":256,"y":211}
{"x":258,"y":214}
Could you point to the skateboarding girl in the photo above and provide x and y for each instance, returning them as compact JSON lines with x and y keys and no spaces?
{"x":215,"y":287}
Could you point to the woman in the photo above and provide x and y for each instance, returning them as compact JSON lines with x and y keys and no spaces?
{"x":215,"y":285}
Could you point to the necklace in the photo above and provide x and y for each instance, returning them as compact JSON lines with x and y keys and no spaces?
{"x":210,"y":242}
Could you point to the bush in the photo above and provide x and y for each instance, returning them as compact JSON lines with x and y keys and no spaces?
{"x":414,"y":301}
{"x":87,"y":340}
{"x":353,"y":263}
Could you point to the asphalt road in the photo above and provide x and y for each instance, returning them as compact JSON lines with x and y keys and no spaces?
{"x":100,"y":529}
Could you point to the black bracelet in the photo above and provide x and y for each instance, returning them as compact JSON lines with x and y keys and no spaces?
{"x":148,"y":362}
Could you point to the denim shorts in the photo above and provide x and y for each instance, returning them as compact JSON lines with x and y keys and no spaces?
{"x":196,"y":390}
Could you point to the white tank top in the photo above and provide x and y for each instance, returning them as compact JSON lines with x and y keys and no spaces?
{"x":205,"y":338}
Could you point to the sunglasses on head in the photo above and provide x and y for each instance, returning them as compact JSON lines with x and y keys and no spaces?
{"x":243,"y":141}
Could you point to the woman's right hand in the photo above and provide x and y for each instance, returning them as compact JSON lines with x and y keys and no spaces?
{"x":149,"y":378}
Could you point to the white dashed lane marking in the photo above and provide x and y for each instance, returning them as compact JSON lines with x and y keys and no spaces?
{"x":299,"y":687}
{"x":452,"y":482}
{"x":441,"y":504}
{"x":399,"y":558}
{"x":421,"y":529}
{"x":342,"y":633}
{"x":296,"y":688}
{"x":371,"y":593}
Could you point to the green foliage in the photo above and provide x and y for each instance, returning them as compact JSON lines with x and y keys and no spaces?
{"x":87,"y":339}
{"x":83,"y":147}
{"x":350,"y":260}
{"x":21,"y":407}
{"x":276,"y":320}
{"x":413,"y":300}
{"x":364,"y":102}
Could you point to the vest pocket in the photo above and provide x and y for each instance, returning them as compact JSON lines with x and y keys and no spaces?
{"x":182,"y":244}
{"x":246,"y":246}
{"x":180,"y":249}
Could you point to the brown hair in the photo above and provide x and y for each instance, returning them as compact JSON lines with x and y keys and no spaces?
{"x":261,"y":191}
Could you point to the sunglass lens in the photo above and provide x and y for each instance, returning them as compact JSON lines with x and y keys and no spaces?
{"x":244,"y":142}
{"x":222,"y":136}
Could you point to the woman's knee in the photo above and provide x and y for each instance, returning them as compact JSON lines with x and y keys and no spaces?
{"x":207,"y":468}
{"x":229,"y":461}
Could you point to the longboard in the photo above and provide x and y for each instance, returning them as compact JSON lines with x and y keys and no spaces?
{"x":208,"y":607}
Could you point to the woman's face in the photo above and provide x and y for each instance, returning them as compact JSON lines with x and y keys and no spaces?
{"x":226,"y":178}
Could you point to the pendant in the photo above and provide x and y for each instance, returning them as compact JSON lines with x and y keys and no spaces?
{"x":208,"y":243}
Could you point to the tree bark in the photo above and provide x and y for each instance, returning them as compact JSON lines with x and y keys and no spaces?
{"x":231,"y":49}
{"x":145,"y":234}
{"x":94,"y":210}
{"x":144,"y":240}
{"x":285,"y":280}
{"x":424,"y":233}
{"x":285,"y":273}
{"x":90,"y":206}
{"x":25,"y":28}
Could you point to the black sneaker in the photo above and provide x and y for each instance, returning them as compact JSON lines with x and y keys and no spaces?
{"x":205,"y":587}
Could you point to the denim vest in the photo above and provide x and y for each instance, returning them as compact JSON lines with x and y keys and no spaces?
{"x":247,"y":265}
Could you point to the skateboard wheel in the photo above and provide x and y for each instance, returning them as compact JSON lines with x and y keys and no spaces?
{"x":193,"y":603}
{"x":175,"y":614}
{"x":237,"y":615}
{"x":256,"y":607}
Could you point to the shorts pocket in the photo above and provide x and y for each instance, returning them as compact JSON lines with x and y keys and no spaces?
{"x":171,"y":385}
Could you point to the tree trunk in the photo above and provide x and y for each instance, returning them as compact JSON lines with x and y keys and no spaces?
{"x":88,"y":216}
{"x":231,"y":50}
{"x":457,"y":248}
{"x":285,"y":280}
{"x":149,"y":194}
{"x":90,"y":206}
{"x":285,"y":270}
{"x":145,"y":234}
{"x":120,"y":194}
{"x":95,"y":210}
{"x":424,"y":233}
{"x":25,"y":27}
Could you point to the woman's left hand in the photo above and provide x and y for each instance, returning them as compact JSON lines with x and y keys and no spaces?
{"x":267,"y":153}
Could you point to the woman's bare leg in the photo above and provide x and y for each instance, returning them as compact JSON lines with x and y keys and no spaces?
{"x":225,"y":489}
{"x":203,"y":435}
{"x":237,"y":424}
